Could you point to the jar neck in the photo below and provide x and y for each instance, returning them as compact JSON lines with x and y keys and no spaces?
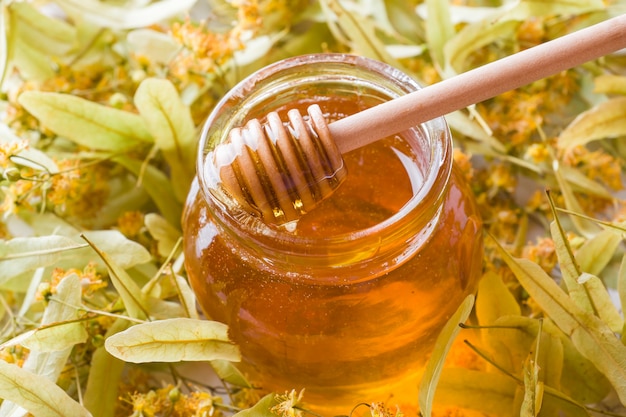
{"x":311,"y":78}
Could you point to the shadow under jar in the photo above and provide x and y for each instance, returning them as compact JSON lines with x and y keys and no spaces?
{"x":347,"y":301}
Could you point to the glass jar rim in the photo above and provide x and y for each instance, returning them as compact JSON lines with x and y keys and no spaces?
{"x":436,"y":130}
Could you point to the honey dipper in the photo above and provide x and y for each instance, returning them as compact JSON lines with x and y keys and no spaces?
{"x":281,"y":171}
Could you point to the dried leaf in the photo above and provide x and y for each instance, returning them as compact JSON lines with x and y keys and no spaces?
{"x":40,"y":397}
{"x":260,"y":409}
{"x":605,"y":120}
{"x":434,"y":366}
{"x":533,"y":384}
{"x":85,"y":122}
{"x":488,"y":392}
{"x":173,"y":340}
{"x":170,"y":123}
{"x":590,"y":335}
{"x":124,"y":17}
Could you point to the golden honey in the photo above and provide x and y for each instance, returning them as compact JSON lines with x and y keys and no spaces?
{"x":346,"y":302}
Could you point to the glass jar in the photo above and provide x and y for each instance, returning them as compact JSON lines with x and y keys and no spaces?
{"x":348,"y":301}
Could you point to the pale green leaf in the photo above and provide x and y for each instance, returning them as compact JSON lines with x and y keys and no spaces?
{"x":163,"y":232}
{"x":501,"y":25}
{"x":473,"y":37}
{"x":489,"y":392}
{"x":570,"y":270}
{"x":173,"y":340}
{"x":187,"y":297}
{"x":585,"y":227}
{"x":48,"y":363}
{"x":583,"y":184}
{"x":590,"y":335}
{"x":610,"y":84}
{"x":56,"y":337}
{"x":156,"y":46}
{"x":605,"y":120}
{"x":135,"y":301}
{"x":357,"y":31}
{"x":439,"y":29}
{"x":170,"y":123}
{"x":31,"y":63}
{"x":19,"y":255}
{"x":41,"y":397}
{"x":40,"y":31}
{"x":404,"y":20}
{"x":35,"y":159}
{"x":596,"y":253}
{"x":157,"y":185}
{"x":260,"y":409}
{"x":85,"y":122}
{"x":105,"y":372}
{"x":466,"y":126}
{"x":432,"y":372}
{"x":124,"y":17}
{"x":602,"y":302}
{"x":229,"y":373}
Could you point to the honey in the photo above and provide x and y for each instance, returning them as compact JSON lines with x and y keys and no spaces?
{"x":347,"y":301}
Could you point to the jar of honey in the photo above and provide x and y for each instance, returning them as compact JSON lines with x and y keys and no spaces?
{"x":347,"y":301}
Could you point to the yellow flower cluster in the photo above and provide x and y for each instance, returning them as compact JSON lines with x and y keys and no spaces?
{"x":170,"y":401}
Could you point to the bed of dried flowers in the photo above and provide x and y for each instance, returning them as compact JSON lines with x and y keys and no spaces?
{"x":101,"y":102}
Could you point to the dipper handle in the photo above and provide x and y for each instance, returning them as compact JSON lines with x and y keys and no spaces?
{"x":281,"y":171}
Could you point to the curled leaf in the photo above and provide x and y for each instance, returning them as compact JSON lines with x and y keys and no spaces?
{"x":173,"y":340}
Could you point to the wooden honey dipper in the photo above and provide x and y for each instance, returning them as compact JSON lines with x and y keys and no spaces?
{"x":281,"y":171}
